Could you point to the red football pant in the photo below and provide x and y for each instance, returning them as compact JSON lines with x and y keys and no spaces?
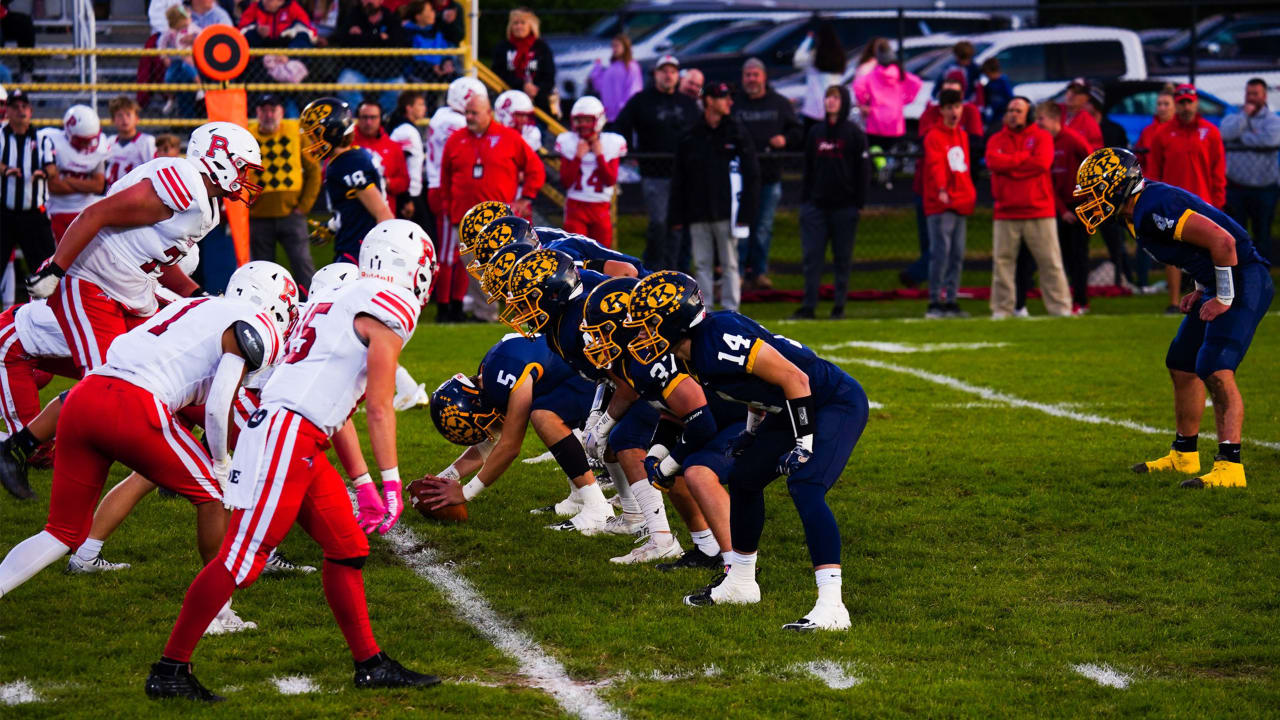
{"x":90,"y":320}
{"x":590,"y":219}
{"x":105,"y":420}
{"x":22,"y":375}
{"x":300,"y":485}
{"x":60,"y":222}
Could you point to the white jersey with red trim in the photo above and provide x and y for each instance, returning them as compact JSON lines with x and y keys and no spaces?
{"x":324,"y":371}
{"x":125,"y":261}
{"x":444,"y":123}
{"x":175,"y":354}
{"x":125,"y":155}
{"x":39,"y":331}
{"x":56,"y":150}
{"x":590,"y":187}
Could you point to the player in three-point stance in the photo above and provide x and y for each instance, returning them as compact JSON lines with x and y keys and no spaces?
{"x":1233,"y":292}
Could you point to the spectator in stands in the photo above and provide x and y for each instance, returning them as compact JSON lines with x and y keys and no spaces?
{"x":962,"y":60}
{"x":168,"y":145}
{"x":1187,"y":152}
{"x":822,"y":58}
{"x":1020,"y":157}
{"x":18,"y":28}
{"x":867,"y":60}
{"x":774,"y":127}
{"x":882,"y":93}
{"x":411,"y":108}
{"x":23,"y":187}
{"x":205,"y":13}
{"x":181,"y":35}
{"x":837,"y":174}
{"x":1253,"y":174}
{"x":702,"y":196}
{"x":370,"y":136}
{"x":949,"y":196}
{"x":367,"y":24}
{"x":130,"y":147}
{"x":1069,"y":150}
{"x":616,"y":82}
{"x":422,"y":29}
{"x":449,"y":19}
{"x":158,"y":14}
{"x":277,"y":24}
{"x":1076,"y":113}
{"x":652,"y":122}
{"x":1164,"y":113}
{"x":691,"y":83}
{"x":290,"y":181}
{"x":996,"y":93}
{"x":524,"y":61}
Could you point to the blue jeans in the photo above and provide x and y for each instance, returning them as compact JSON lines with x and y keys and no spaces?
{"x":1254,"y":208}
{"x":753,"y":250}
{"x":386,"y":98}
{"x":181,"y":72}
{"x":946,"y":255}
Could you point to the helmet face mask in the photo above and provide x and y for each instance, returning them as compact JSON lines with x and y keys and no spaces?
{"x":541,"y":283}
{"x":584,"y":126}
{"x":495,"y":236}
{"x":225,"y":154}
{"x":460,"y":414}
{"x":324,"y":124}
{"x":497,"y":274}
{"x":473,"y":225}
{"x":602,"y":321}
{"x":662,"y":309}
{"x":587,"y":117}
{"x":523,"y":313}
{"x":82,"y":128}
{"x":1106,"y":179}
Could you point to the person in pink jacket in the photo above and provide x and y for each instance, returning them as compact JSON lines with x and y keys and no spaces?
{"x":881,"y":94}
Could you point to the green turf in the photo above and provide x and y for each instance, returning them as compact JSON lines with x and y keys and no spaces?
{"x":988,"y":549}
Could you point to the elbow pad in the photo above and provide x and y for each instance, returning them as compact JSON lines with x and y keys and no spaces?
{"x":250,"y":343}
{"x":699,"y":429}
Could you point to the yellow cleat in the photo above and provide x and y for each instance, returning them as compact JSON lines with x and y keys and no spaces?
{"x":1186,"y":462}
{"x":1224,"y":474}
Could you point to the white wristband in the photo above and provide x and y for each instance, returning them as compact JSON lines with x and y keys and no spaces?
{"x":473,"y":488}
{"x":389,"y":475}
{"x":605,"y":424}
{"x":450,"y":473}
{"x":1226,"y":290}
{"x":659,"y":451}
{"x":669,"y":466}
{"x":361,"y":480}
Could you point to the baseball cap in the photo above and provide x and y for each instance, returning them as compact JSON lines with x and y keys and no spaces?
{"x":17,"y":96}
{"x":269,"y":99}
{"x":717,"y":90}
{"x":1078,"y":85}
{"x":667,"y":60}
{"x":1184,"y":92}
{"x":1097,"y":94}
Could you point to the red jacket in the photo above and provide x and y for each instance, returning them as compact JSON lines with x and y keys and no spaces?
{"x":1144,"y":143}
{"x":1020,"y":180}
{"x":1069,"y":150}
{"x":394,"y":169}
{"x":970,"y":122}
{"x":502,"y":159}
{"x":286,"y":23}
{"x":1083,"y":123}
{"x":946,"y":167}
{"x":1190,"y":157}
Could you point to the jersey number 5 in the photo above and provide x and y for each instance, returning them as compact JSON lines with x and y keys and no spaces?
{"x":300,"y":344}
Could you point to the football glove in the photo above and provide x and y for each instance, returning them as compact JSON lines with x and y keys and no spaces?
{"x":44,"y":280}
{"x":318,"y":231}
{"x":369,"y":508}
{"x":739,"y":444}
{"x":793,"y":460}
{"x":395,"y":506}
{"x":657,"y":478}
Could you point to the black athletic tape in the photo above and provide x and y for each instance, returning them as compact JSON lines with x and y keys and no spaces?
{"x":571,"y":456}
{"x":250,"y":343}
{"x":802,"y":415}
{"x":667,"y":433}
{"x":699,"y":429}
{"x":597,"y":265}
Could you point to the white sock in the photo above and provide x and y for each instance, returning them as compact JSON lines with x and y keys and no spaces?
{"x":404,"y":382}
{"x":828,"y":585}
{"x":623,"y":486}
{"x":651,"y":504}
{"x":742,"y":567}
{"x":28,"y":558}
{"x":592,"y":496}
{"x":705,"y":540}
{"x":89,"y":550}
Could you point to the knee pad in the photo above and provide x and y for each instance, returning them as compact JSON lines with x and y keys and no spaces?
{"x":353,"y":562}
{"x":571,"y":456}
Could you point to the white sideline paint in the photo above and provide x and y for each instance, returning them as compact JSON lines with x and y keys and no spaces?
{"x":906,"y":348}
{"x":542,"y":670}
{"x":18,"y":692}
{"x":295,"y":685}
{"x":1104,"y":675}
{"x":996,"y":396}
{"x":832,"y":674}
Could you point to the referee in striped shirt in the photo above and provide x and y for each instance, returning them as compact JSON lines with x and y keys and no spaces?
{"x":23,"y":188}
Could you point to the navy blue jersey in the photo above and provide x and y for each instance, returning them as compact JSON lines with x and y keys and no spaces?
{"x":349,"y":173}
{"x":723,"y":352}
{"x":583,"y":249}
{"x":564,"y":333}
{"x":655,"y":382}
{"x":1158,"y":218}
{"x":516,"y":360}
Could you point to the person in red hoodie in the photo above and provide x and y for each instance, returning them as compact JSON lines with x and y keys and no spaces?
{"x":1076,"y":113}
{"x":370,"y":136}
{"x":1020,"y":157}
{"x":1069,"y":150}
{"x":1164,"y":113}
{"x":949,"y":197}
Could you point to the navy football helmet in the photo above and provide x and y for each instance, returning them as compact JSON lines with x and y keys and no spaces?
{"x":602,"y":318}
{"x":461,"y":415}
{"x":662,"y":309}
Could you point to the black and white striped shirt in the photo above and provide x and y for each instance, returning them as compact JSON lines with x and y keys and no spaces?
{"x":22,"y":152}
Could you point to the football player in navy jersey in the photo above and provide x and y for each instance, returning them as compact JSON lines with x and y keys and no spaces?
{"x":1233,"y":292}
{"x":804,"y":417}
{"x":585,"y":252}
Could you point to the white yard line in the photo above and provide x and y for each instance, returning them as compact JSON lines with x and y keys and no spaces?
{"x":18,"y":692}
{"x":910,"y":348}
{"x":295,"y":685}
{"x":1104,"y":675}
{"x":542,"y":670}
{"x":1059,"y":411}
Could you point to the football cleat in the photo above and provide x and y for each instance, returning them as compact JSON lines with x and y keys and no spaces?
{"x":823,"y":616}
{"x":278,"y":563}
{"x":174,"y":680}
{"x":650,"y":550}
{"x":625,"y":524}
{"x":227,"y":621}
{"x":567,"y":507}
{"x":1224,"y":474}
{"x":591,"y":521}
{"x":693,"y":559}
{"x":722,"y":591}
{"x":380,"y":671}
{"x":76,"y":566}
{"x":13,"y":471}
{"x":408,"y":401}
{"x":1186,"y":462}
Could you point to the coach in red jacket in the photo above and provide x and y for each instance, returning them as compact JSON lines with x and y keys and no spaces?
{"x":1187,"y":151}
{"x":370,"y":136}
{"x":1020,"y":157}
{"x":1076,"y":115}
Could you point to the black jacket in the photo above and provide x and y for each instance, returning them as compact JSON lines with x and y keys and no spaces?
{"x":700,"y":189}
{"x":654,"y":122}
{"x":837,"y":168}
{"x":769,"y":115}
{"x":370,"y":35}
{"x":542,"y":67}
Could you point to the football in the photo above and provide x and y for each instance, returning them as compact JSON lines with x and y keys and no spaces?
{"x":417,"y":498}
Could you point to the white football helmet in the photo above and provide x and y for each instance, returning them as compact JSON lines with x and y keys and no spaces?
{"x":190,"y":261}
{"x":82,"y":127}
{"x":587,"y":117}
{"x":268,"y":286}
{"x":514,"y":109}
{"x":331,"y":277}
{"x":401,"y":253}
{"x":225,"y":153}
{"x":462,"y":90}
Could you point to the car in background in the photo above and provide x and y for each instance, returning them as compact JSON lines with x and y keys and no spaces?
{"x":1132,"y":104}
{"x":1240,"y":38}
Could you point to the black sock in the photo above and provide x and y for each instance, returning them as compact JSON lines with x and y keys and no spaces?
{"x":1229,"y":451}
{"x":24,"y":442}
{"x":1184,"y":443}
{"x":371,"y":661}
{"x":169,"y":663}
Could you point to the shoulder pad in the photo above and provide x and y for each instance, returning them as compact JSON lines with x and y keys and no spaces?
{"x":250,"y":341}
{"x":394,"y":307}
{"x":176,"y":181}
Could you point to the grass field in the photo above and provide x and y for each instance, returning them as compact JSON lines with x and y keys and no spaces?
{"x":999,"y":556}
